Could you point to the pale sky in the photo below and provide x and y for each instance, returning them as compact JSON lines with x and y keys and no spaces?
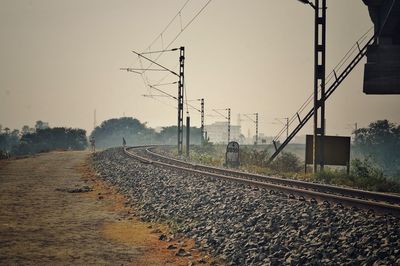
{"x":60,"y":60}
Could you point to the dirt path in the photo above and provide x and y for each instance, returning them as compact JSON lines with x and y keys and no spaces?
{"x":43,"y":222}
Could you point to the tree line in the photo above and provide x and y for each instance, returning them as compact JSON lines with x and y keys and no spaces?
{"x":111,"y":132}
{"x":41,"y":138}
{"x":379,"y":143}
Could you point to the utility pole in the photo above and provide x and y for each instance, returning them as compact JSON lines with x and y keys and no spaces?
{"x":202,"y":121}
{"x":256,"y":129}
{"x":181,"y":83}
{"x":319,"y":7}
{"x":187,"y":137}
{"x":227,"y":118}
{"x":255,"y":122}
{"x":180,"y":98}
{"x":201,"y":111}
{"x":319,"y":80}
{"x":229,"y":125}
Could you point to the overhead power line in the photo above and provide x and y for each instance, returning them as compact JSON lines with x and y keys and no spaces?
{"x":160,"y":36}
{"x":154,"y":62}
{"x":158,"y":100}
{"x":183,"y":28}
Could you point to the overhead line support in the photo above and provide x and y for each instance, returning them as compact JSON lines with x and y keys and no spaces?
{"x":180,"y":98}
{"x":319,"y":80}
{"x":256,"y":129}
{"x":154,"y":62}
{"x":202,"y":120}
{"x":229,"y":125}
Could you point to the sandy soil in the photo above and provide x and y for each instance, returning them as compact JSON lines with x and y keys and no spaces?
{"x":43,"y":223}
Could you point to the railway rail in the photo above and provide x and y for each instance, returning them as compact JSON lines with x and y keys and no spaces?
{"x":315,"y":192}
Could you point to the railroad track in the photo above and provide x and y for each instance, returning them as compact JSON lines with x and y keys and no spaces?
{"x":315,"y":192}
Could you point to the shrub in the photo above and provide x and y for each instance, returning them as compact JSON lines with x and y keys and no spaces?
{"x":249,"y":156}
{"x":286,"y":162}
{"x":368,"y":175}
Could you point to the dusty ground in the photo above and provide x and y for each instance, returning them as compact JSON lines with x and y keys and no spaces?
{"x":42,"y":222}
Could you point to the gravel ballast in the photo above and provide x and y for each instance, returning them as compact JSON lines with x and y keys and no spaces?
{"x":245,"y":225}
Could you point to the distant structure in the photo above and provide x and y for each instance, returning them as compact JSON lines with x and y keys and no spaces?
{"x":382,"y":70}
{"x":218,"y":133}
{"x":264,"y":139}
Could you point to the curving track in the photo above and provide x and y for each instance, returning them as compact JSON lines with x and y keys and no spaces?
{"x":315,"y":192}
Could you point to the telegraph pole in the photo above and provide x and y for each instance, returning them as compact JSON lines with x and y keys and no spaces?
{"x":319,"y":80}
{"x":180,"y":98}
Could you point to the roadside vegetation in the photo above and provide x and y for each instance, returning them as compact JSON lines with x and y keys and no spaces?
{"x":375,"y":163}
{"x":41,"y":138}
{"x":110,"y":133}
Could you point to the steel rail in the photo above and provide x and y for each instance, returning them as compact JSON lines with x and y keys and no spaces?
{"x":291,"y":182}
{"x":300,"y":192}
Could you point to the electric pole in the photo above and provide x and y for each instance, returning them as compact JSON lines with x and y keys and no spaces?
{"x":255,"y":122}
{"x":229,"y":125}
{"x":187,"y":137}
{"x":181,"y":83}
{"x":202,"y":121}
{"x":227,"y":118}
{"x":319,"y":80}
{"x":256,"y":129}
{"x":180,"y":98}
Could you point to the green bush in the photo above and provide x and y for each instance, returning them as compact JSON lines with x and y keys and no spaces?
{"x":366,"y":174}
{"x":250,"y":156}
{"x":287,"y":162}
{"x":334,"y":176}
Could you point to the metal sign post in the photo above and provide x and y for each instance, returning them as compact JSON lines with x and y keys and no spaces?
{"x":337,"y":150}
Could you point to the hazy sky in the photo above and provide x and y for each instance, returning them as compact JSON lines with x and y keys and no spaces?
{"x":60,"y":60}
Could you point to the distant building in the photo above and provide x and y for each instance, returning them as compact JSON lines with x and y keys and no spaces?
{"x":218,"y":132}
{"x":263,"y":139}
